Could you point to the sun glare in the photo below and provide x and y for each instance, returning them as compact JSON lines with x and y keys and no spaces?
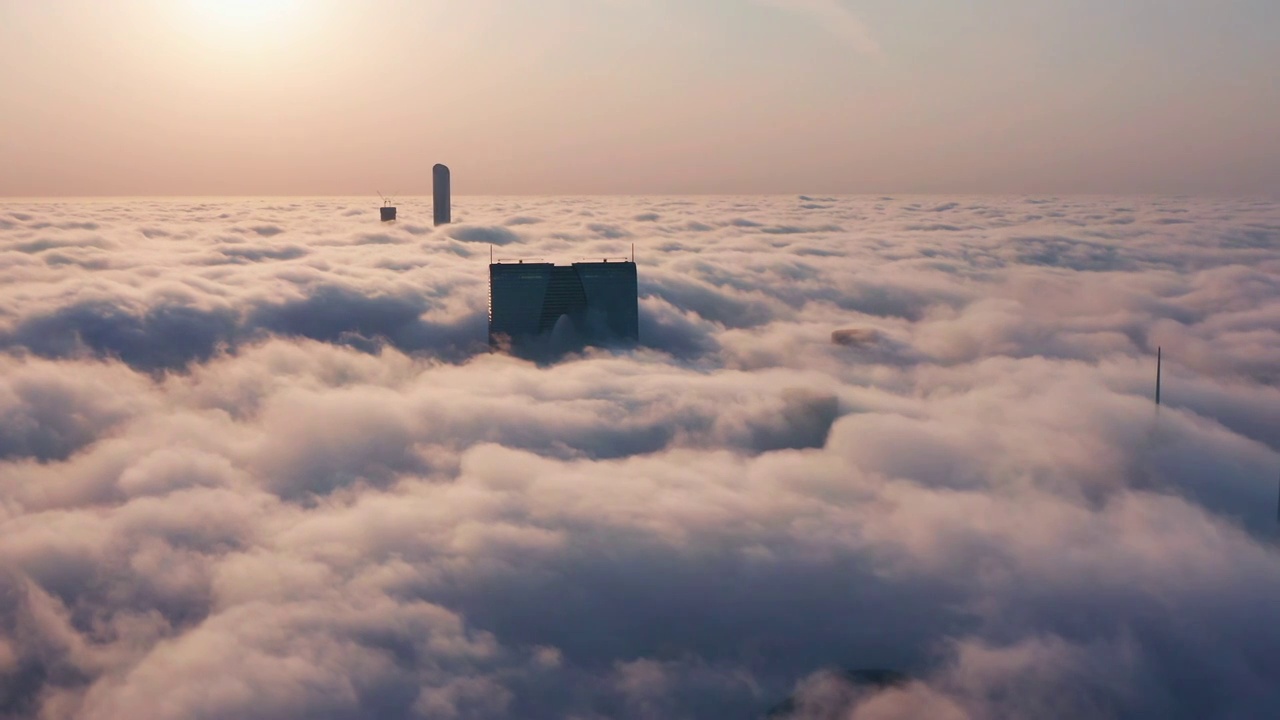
{"x":240,"y":17}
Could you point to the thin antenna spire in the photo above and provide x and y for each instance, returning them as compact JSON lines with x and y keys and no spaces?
{"x":633,"y":252}
{"x":1158,"y":358}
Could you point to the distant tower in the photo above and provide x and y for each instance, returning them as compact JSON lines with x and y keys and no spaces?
{"x":1157,"y":376}
{"x":387,"y":211}
{"x":440,"y":185}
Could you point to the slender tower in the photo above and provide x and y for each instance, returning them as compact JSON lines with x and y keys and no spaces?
{"x":1157,"y":376}
{"x":440,"y":186}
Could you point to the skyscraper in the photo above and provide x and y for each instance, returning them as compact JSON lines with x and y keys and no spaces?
{"x":599,"y":301}
{"x":441,"y":194}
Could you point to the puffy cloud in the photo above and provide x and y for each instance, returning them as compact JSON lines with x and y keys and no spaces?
{"x":256,"y":461}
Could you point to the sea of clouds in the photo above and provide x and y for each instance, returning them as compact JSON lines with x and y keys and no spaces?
{"x":256,"y":461}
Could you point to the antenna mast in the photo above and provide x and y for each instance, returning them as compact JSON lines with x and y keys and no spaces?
{"x":1157,"y":375}
{"x":388,"y":211}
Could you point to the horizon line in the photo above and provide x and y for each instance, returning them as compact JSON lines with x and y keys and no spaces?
{"x":809,"y":194}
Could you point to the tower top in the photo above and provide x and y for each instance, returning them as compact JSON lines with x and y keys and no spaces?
{"x":441,"y":193}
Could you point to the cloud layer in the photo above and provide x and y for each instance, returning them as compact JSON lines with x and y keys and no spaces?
{"x":256,"y":461}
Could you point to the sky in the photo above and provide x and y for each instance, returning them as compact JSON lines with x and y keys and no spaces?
{"x":257,"y":461}
{"x":321,"y":97}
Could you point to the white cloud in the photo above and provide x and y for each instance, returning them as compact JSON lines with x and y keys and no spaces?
{"x":272,"y":473}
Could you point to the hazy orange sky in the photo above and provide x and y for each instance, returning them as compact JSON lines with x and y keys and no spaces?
{"x":299,"y":97}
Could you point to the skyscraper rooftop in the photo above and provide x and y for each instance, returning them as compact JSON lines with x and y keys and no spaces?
{"x":539,"y":306}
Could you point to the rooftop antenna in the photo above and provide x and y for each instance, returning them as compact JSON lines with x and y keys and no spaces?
{"x":633,"y":252}
{"x":1157,"y":376}
{"x":387,"y":211}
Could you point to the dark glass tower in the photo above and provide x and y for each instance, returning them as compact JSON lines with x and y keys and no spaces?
{"x":441,"y":194}
{"x":527,"y":301}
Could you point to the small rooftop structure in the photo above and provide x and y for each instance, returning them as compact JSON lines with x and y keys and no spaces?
{"x":388,"y":211}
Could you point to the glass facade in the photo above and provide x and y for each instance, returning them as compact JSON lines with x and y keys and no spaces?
{"x":528,"y":300}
